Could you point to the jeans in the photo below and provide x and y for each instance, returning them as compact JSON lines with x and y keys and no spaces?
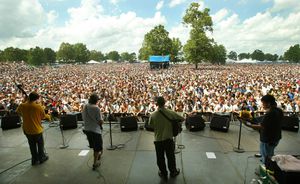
{"x":267,"y":150}
{"x":36,"y":145}
{"x":168,"y":147}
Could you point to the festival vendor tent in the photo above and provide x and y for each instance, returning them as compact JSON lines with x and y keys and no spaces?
{"x":159,"y":61}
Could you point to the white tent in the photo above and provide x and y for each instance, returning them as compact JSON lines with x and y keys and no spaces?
{"x":93,"y":62}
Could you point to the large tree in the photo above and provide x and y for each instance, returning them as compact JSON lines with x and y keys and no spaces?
{"x":50,"y":55}
{"x":176,"y":50}
{"x":96,"y":55}
{"x":156,"y":42}
{"x":198,"y":48}
{"x":232,"y":55}
{"x":218,"y":54}
{"x":125,"y":56}
{"x":14,"y":54}
{"x":258,"y":55}
{"x":242,"y":56}
{"x":113,"y":55}
{"x":293,"y":54}
{"x":81,"y":54}
{"x":66,"y":53}
{"x":37,"y":56}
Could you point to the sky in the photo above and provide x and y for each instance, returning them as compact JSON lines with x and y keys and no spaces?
{"x":106,"y":25}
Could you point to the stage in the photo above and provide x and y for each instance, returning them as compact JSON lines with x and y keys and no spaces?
{"x":134,"y":161}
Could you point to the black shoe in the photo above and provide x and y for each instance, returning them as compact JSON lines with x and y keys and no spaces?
{"x":258,"y":155}
{"x":44,"y":159}
{"x":164,"y":176}
{"x":35,"y":162}
{"x":174,"y":174}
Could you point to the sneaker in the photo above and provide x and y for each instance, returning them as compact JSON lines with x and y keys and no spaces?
{"x":174,"y":174}
{"x":257,"y":155}
{"x":95,"y":166}
{"x":164,"y":176}
{"x":44,"y":159}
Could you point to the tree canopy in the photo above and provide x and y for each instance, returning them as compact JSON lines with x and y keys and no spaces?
{"x":156,"y":42}
{"x":293,"y":54}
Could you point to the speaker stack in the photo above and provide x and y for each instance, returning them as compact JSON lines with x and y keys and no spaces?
{"x":195,"y":122}
{"x":128,"y":123}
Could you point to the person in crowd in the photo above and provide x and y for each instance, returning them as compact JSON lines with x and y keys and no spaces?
{"x":163,"y":138}
{"x":93,"y":121}
{"x":32,"y":113}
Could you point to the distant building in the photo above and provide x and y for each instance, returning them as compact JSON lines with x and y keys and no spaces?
{"x":159,"y":62}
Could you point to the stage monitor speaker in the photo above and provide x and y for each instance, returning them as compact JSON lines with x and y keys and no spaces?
{"x":68,"y":121}
{"x":195,"y":123}
{"x":10,"y":122}
{"x":220,"y":123}
{"x":128,"y":123}
{"x":290,"y":123}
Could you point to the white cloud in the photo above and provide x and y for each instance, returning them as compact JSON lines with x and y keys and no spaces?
{"x":20,"y":18}
{"x":220,"y":15}
{"x":52,"y":16}
{"x":176,"y":2}
{"x":180,"y":31}
{"x":159,"y":5}
{"x":273,"y":34}
{"x":114,"y":1}
{"x":280,"y":5}
{"x":89,"y":25}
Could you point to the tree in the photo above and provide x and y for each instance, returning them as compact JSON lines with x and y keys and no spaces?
{"x":176,"y":54}
{"x":271,"y":57}
{"x":125,"y":56}
{"x":198,"y":47}
{"x":50,"y":55}
{"x":232,"y":55}
{"x":14,"y":54}
{"x":96,"y":55}
{"x":258,"y":55}
{"x":81,"y":54}
{"x":293,"y":54}
{"x":37,"y":56}
{"x":218,"y":54}
{"x":66,"y":53}
{"x":1,"y":56}
{"x":113,"y":55}
{"x":242,"y":56}
{"x":156,"y":42}
{"x":133,"y":57}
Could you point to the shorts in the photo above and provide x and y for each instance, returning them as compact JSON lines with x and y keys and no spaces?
{"x":95,"y":140}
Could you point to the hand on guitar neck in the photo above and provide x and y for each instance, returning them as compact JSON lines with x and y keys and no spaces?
{"x":19,"y":86}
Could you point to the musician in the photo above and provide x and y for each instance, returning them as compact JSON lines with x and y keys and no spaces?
{"x":163,"y":135}
{"x":92,"y":127}
{"x":269,"y":128}
{"x":32,"y":113}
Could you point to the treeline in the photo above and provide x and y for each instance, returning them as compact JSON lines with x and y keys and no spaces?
{"x":291,"y":55}
{"x":67,"y":53}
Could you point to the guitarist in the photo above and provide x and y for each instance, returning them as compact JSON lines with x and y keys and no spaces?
{"x":32,"y":113}
{"x":269,"y":128}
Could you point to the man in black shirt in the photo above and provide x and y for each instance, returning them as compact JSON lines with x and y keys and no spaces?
{"x":269,"y":128}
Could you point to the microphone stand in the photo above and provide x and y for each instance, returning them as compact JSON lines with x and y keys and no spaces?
{"x":64,"y":145}
{"x":238,"y":149}
{"x":111,"y":146}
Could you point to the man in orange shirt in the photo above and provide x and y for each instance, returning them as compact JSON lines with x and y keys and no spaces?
{"x":32,"y":113}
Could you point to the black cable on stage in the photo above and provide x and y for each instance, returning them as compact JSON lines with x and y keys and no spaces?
{"x":15,"y":165}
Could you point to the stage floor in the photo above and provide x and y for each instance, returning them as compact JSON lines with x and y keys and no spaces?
{"x":134,"y":161}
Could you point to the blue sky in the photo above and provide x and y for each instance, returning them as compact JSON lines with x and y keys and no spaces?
{"x":106,"y":25}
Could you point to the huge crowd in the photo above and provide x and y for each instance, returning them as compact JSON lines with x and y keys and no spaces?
{"x":132,"y":88}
